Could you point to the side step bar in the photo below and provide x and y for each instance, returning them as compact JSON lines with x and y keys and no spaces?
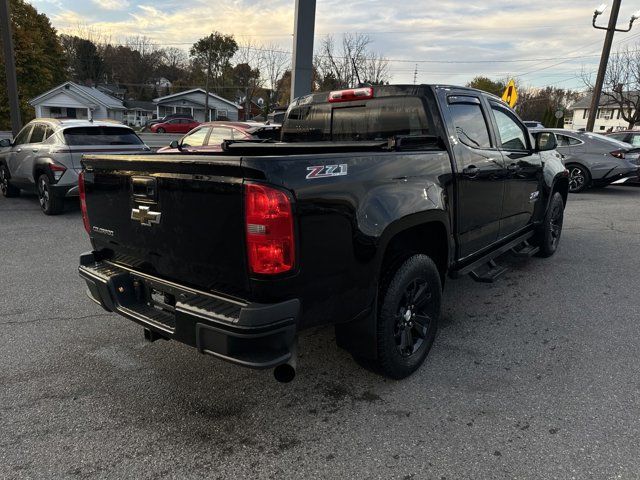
{"x":485,"y":269}
{"x":490,"y":274}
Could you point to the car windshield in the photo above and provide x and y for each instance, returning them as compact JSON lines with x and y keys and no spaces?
{"x":101,"y":136}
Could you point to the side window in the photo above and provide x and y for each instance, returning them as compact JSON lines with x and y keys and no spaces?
{"x":240,"y":135}
{"x":511,"y":134}
{"x":23,"y":136}
{"x":563,"y":141}
{"x":37,"y":135}
{"x":471,"y":126}
{"x":635,"y":140}
{"x":618,"y":136}
{"x":574,"y":141}
{"x":219,"y":135}
{"x":195,"y":139}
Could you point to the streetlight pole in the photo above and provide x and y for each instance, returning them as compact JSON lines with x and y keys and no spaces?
{"x":10,"y":67}
{"x":606,"y":52}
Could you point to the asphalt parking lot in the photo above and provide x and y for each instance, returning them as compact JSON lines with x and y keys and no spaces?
{"x":536,"y":376}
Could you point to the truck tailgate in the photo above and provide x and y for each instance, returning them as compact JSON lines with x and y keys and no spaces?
{"x":181,"y":220}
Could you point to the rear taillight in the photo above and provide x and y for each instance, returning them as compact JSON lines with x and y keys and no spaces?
{"x":269,"y":229}
{"x":83,"y":202}
{"x":351,"y":94}
{"x":618,"y":153}
{"x":57,"y":170}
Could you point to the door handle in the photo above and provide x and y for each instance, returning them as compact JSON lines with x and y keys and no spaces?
{"x":471,"y":171}
{"x":36,"y":150}
{"x":18,"y":150}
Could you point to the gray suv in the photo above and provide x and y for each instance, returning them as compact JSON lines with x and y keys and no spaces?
{"x":45,"y":156}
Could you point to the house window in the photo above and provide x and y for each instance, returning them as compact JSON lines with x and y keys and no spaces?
{"x":55,"y":111}
{"x":223,"y":114}
{"x":585,"y":113}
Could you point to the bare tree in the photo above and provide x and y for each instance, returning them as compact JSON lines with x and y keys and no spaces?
{"x":349,"y":64}
{"x":622,"y":83}
{"x":275,"y":63}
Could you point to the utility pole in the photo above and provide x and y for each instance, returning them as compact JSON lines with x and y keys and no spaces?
{"x":606,"y":51}
{"x":10,"y":67}
{"x":302,"y":68}
{"x":415,"y":75}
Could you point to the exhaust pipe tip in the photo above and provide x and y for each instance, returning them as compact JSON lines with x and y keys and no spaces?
{"x":284,"y":373}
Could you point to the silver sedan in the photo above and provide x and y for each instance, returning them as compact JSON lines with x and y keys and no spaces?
{"x":594,"y":160}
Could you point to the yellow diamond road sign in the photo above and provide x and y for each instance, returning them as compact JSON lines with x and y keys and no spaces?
{"x":510,"y":94}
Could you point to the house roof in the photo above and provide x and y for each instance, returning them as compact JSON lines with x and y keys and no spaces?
{"x":194,"y":90}
{"x":585,"y":102}
{"x":89,"y":94}
{"x":139,"y":105}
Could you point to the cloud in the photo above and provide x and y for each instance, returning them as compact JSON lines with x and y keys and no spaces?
{"x":503,"y":36}
{"x":114,"y":5}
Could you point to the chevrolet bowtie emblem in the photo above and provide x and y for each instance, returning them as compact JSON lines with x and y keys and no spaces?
{"x":145,"y":216}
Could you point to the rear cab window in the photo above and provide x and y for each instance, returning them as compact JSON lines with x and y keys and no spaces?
{"x":377,"y":119}
{"x":100,"y":136}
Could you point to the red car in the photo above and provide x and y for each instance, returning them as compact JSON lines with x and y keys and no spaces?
{"x":175,"y":125}
{"x":208,"y":137}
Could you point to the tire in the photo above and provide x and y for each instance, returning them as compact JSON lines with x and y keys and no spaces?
{"x":160,"y":130}
{"x":548,"y":237}
{"x":579,"y":178}
{"x":408,"y":316}
{"x":7,"y":189}
{"x":50,"y":203}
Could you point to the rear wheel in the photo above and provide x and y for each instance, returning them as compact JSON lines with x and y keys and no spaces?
{"x":49,"y":202}
{"x":160,"y":130}
{"x":408,"y":318}
{"x":579,"y":178}
{"x":7,"y":189}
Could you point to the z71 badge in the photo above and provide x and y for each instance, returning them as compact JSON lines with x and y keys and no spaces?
{"x":323,"y":171}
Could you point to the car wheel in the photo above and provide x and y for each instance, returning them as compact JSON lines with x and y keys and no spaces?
{"x":49,"y":202}
{"x":408,"y":316}
{"x":548,"y":236}
{"x":160,"y":130}
{"x":7,"y":189}
{"x":579,"y":178}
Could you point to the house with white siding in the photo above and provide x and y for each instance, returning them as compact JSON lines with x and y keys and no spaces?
{"x":193,"y":102}
{"x":71,"y":100}
{"x":608,"y":117}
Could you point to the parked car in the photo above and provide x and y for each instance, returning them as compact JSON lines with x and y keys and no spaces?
{"x":175,"y":125}
{"x":533,"y":124}
{"x":208,"y":137}
{"x":374,"y":196}
{"x":628,"y":136}
{"x":166,"y":118}
{"x":45,"y":156}
{"x":595,"y":160}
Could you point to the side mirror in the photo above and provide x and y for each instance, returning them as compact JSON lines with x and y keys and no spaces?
{"x":545,"y":141}
{"x":174,"y":144}
{"x":5,"y":142}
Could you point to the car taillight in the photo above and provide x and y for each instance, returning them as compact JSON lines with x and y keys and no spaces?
{"x":57,"y":170}
{"x":618,"y":153}
{"x":269,"y":229}
{"x":351,"y":94}
{"x":83,"y":202}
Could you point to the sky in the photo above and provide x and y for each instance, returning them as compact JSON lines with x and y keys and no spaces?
{"x":538,"y":43}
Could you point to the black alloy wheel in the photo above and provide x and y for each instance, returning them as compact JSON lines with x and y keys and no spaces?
{"x":6,"y":188}
{"x":160,"y":130}
{"x":550,"y":231}
{"x":409,"y":311}
{"x":579,"y":178}
{"x":49,"y":202}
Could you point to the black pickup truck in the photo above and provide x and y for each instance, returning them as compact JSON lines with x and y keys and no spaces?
{"x":355,"y":218}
